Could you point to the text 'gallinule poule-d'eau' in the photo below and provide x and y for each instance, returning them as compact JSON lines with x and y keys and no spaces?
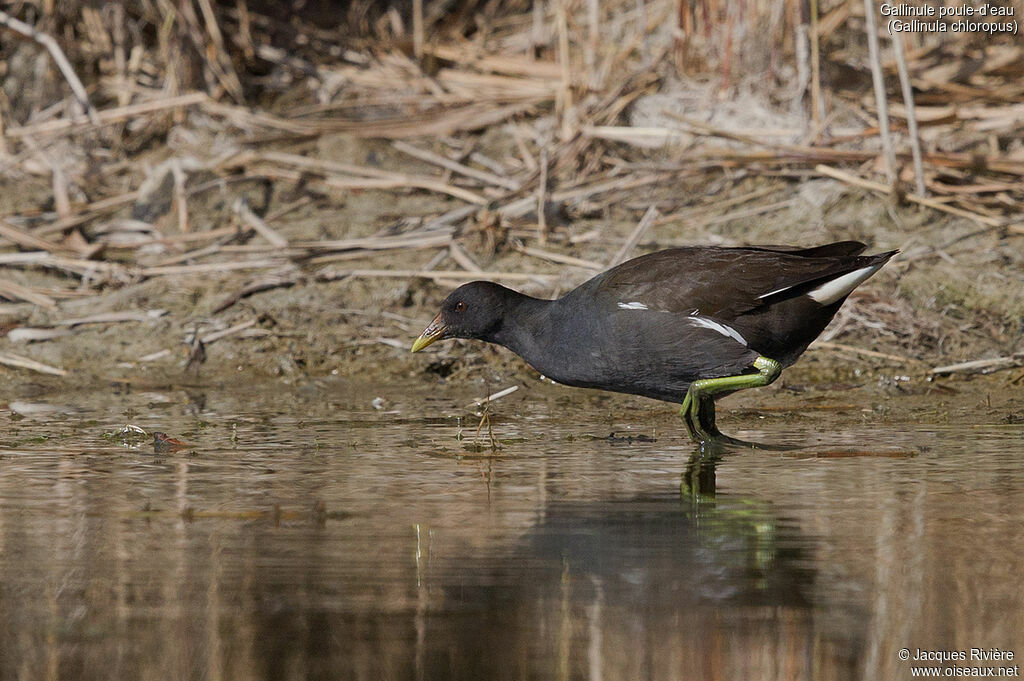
{"x":681,"y":325}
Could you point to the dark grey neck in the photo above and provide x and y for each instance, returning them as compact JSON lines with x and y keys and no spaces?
{"x":556,"y":337}
{"x":529,"y":327}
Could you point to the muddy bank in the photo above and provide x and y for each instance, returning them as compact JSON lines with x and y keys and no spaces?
{"x":927,"y":308}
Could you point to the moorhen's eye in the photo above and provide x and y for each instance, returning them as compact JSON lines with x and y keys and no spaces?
{"x":460,"y":306}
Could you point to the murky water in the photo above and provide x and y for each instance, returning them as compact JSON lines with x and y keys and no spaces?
{"x":310,"y":535}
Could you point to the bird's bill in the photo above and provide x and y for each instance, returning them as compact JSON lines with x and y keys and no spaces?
{"x":434,"y":332}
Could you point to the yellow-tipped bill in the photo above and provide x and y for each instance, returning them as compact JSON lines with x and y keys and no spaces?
{"x":430,"y":334}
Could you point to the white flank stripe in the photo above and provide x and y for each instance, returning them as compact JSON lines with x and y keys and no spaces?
{"x":720,"y":328}
{"x":833,"y":290}
{"x":633,"y":306}
{"x":772,"y":293}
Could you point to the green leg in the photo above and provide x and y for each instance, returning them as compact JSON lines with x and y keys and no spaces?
{"x":698,"y":410}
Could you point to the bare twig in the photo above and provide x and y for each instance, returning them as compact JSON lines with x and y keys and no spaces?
{"x":748,"y":212}
{"x":230,"y":331}
{"x":908,"y":101}
{"x":462,"y":258}
{"x":842,"y":347}
{"x":537,"y":27}
{"x":593,"y":37}
{"x":62,"y":62}
{"x":542,"y":191}
{"x":565,"y":107}
{"x":360,"y":177}
{"x":14,"y":291}
{"x":982,"y":366}
{"x":417,"y":29}
{"x":109,"y":116}
{"x":496,"y":396}
{"x":817,"y":105}
{"x":261,"y":227}
{"x":180,"y":196}
{"x":417,"y":239}
{"x":879,"y":83}
{"x":20,"y":362}
{"x":28,"y":240}
{"x":436,"y":159}
{"x":521,"y":207}
{"x":434,"y":274}
{"x":268,"y":283}
{"x":520,"y":139}
{"x":634,"y":238}
{"x":207,"y":268}
{"x":226,"y":71}
{"x":558,"y":257}
{"x":931,"y":203}
{"x":112,"y":318}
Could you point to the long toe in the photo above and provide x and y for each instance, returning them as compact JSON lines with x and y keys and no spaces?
{"x":706,"y":417}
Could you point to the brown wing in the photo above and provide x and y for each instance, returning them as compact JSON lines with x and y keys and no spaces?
{"x":717,"y":282}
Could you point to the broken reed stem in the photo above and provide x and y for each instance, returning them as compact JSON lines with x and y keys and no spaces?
{"x":495,"y":396}
{"x":417,"y":29}
{"x":262,"y":228}
{"x":108,"y":116}
{"x":459,"y":255}
{"x":29,"y":240}
{"x":641,"y":22}
{"x":982,"y":366}
{"x":801,"y":56}
{"x":537,"y":29}
{"x":180,"y":196}
{"x":20,"y":362}
{"x":379,"y":243}
{"x":59,"y":59}
{"x":455,"y":166}
{"x":61,"y":198}
{"x":560,"y":258}
{"x":325,"y":174}
{"x":908,"y":102}
{"x":817,"y":106}
{"x":879,"y":84}
{"x":593,"y":33}
{"x":230,"y":331}
{"x":931,"y":203}
{"x":226,"y":70}
{"x":565,"y":93}
{"x":634,"y":238}
{"x":542,"y":190}
{"x":433,"y":274}
{"x":15,"y":291}
{"x":842,"y":347}
{"x":117,"y":33}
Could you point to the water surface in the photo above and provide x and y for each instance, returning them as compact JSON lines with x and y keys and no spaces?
{"x":316,"y":534}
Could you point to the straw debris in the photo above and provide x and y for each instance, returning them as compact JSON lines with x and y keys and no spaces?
{"x":225,"y":153}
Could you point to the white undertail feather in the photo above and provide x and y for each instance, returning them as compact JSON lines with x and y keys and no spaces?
{"x":633,"y":306}
{"x":833,"y":289}
{"x":723,"y":329}
{"x":840,"y":287}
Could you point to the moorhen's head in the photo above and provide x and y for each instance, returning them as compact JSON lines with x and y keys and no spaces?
{"x":474,"y":310}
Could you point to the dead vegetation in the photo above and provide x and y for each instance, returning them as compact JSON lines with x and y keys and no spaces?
{"x":214,"y":153}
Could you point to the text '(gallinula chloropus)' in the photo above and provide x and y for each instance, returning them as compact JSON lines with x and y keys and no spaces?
{"x":682,"y":325}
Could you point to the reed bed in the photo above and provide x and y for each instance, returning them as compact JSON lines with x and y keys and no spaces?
{"x":121,"y":125}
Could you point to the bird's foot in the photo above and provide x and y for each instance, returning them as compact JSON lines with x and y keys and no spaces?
{"x":698,"y":414}
{"x":698,"y":408}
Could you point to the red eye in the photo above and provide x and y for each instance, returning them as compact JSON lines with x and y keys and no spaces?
{"x":460,"y":306}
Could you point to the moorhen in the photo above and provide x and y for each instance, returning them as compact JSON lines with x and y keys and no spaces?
{"x":681,"y":325}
